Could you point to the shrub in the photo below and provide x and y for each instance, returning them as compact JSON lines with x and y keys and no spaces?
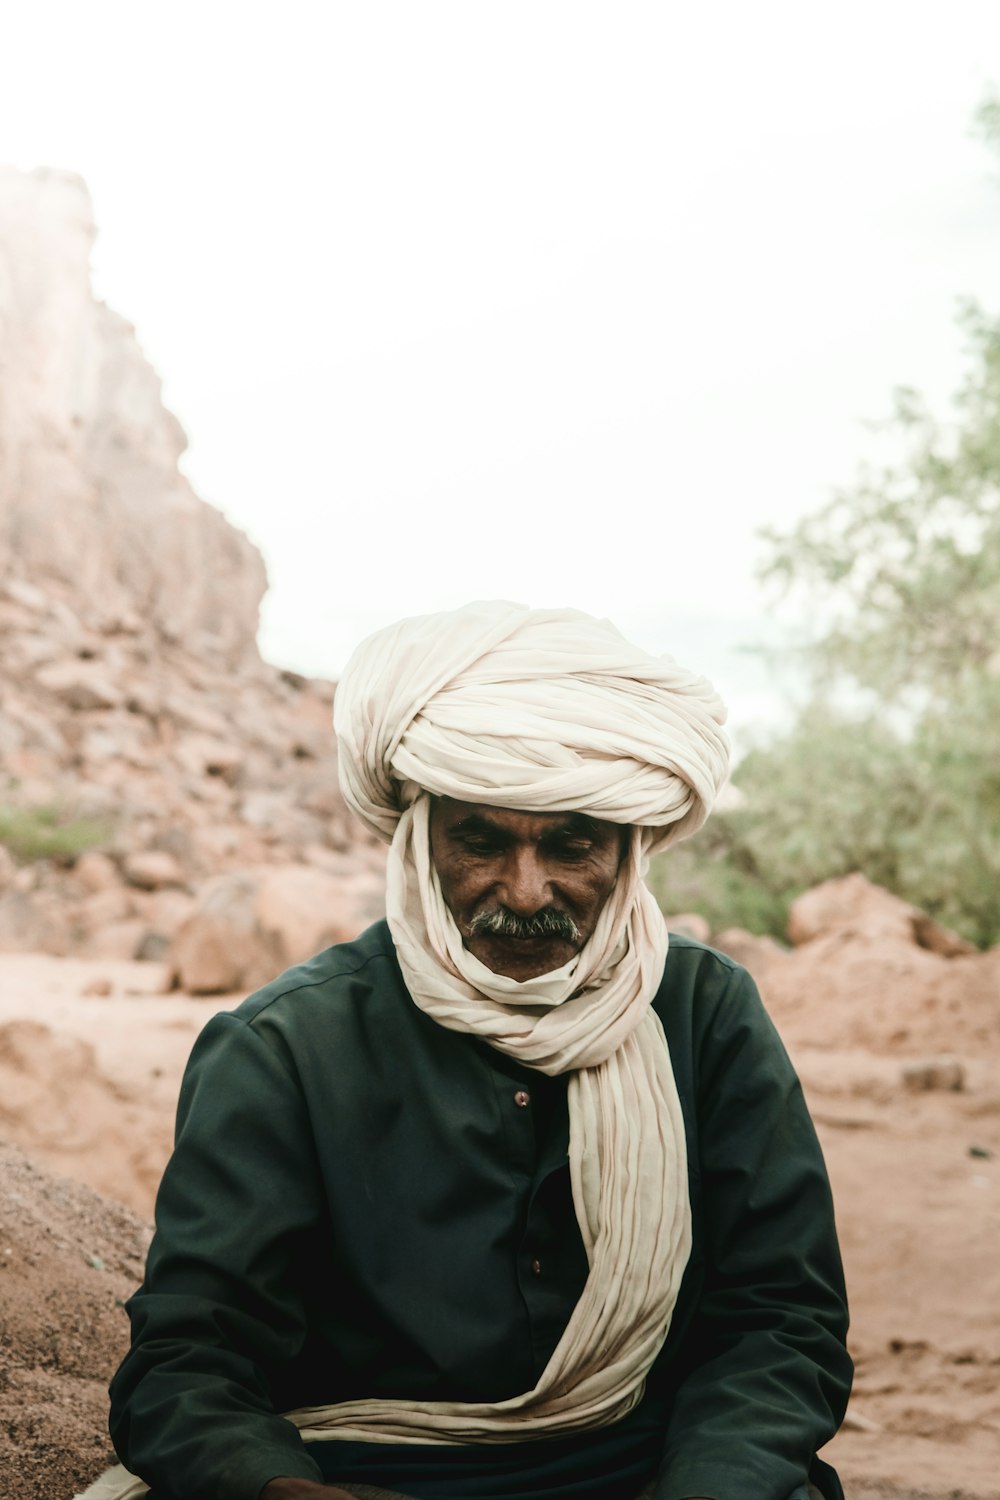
{"x":33,"y":833}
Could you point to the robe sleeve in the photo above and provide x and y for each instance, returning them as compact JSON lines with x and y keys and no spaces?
{"x":764,"y":1373}
{"x":191,"y":1409}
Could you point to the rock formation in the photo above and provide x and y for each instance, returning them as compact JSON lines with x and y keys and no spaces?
{"x":132,"y":694}
{"x":91,"y":496}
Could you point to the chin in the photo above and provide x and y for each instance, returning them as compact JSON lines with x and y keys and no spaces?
{"x":506,"y":960}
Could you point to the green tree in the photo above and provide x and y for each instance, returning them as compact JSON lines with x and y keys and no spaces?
{"x":904,"y":783}
{"x":909,"y":558}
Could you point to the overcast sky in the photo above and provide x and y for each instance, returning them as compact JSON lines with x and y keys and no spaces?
{"x":555,"y":301}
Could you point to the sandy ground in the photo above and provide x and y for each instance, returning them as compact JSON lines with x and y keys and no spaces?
{"x":90,"y":1059}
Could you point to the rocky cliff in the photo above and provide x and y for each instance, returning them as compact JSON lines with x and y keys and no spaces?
{"x":91,"y":497}
{"x":144,"y":744}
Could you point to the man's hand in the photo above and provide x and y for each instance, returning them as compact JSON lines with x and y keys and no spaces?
{"x":301,"y":1489}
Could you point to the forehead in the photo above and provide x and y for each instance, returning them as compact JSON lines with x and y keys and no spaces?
{"x":452,"y":816}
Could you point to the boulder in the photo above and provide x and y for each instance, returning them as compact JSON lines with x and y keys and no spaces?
{"x":248,"y":927}
{"x":303,"y":909}
{"x":220,"y":948}
{"x":690,"y":924}
{"x":851,"y":903}
{"x":70,"y":1258}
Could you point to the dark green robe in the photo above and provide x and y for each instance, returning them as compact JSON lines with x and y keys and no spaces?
{"x":364,"y":1204}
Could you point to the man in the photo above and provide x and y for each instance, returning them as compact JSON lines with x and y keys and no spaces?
{"x":509,"y":1197}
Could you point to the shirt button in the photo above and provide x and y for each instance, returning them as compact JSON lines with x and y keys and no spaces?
{"x":522,"y":1098}
{"x":536,"y":1268}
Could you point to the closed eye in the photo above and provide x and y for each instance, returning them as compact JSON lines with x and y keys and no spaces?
{"x":572,"y":849}
{"x":478,"y":844}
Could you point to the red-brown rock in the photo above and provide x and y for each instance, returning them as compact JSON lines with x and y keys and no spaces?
{"x":248,"y":927}
{"x":849,"y":903}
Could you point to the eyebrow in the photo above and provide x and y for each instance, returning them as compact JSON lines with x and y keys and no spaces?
{"x":575,"y":823}
{"x":475,"y":823}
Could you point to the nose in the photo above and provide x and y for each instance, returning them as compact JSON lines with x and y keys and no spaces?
{"x":524,"y":883}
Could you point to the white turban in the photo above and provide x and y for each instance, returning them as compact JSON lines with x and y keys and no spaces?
{"x":536,"y":710}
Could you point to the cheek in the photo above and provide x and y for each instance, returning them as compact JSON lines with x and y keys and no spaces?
{"x":601,"y":884}
{"x":460,"y":890}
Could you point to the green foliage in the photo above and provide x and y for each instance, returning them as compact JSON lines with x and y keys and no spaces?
{"x":32,"y":833}
{"x":905,"y":566}
{"x":704,"y":877}
{"x":986,"y":121}
{"x":954,"y":866}
{"x":918,"y":813}
{"x":909,"y":559}
{"x":821,"y":802}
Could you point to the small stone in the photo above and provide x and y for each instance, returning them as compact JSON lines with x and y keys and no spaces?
{"x":691,"y":925}
{"x":96,"y":1262}
{"x":151,"y":869}
{"x":79,"y":686}
{"x":99,"y":986}
{"x":944,"y":1074}
{"x":983,"y":1153}
{"x":154,"y":948}
{"x":95,"y":871}
{"x":208,"y":755}
{"x":854,"y":1421}
{"x":25,"y":593}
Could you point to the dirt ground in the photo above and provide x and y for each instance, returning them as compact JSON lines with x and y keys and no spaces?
{"x":90,"y":1059}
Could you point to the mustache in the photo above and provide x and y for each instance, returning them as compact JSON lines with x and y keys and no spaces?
{"x":548,"y":922}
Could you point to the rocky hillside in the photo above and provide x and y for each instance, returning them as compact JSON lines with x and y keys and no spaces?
{"x":144,"y":744}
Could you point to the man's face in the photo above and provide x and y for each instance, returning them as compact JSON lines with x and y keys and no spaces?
{"x":525,"y":889}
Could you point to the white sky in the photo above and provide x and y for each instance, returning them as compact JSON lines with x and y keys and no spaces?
{"x":557,"y":301}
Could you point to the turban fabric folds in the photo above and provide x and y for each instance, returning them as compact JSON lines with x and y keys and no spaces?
{"x":537,"y":710}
